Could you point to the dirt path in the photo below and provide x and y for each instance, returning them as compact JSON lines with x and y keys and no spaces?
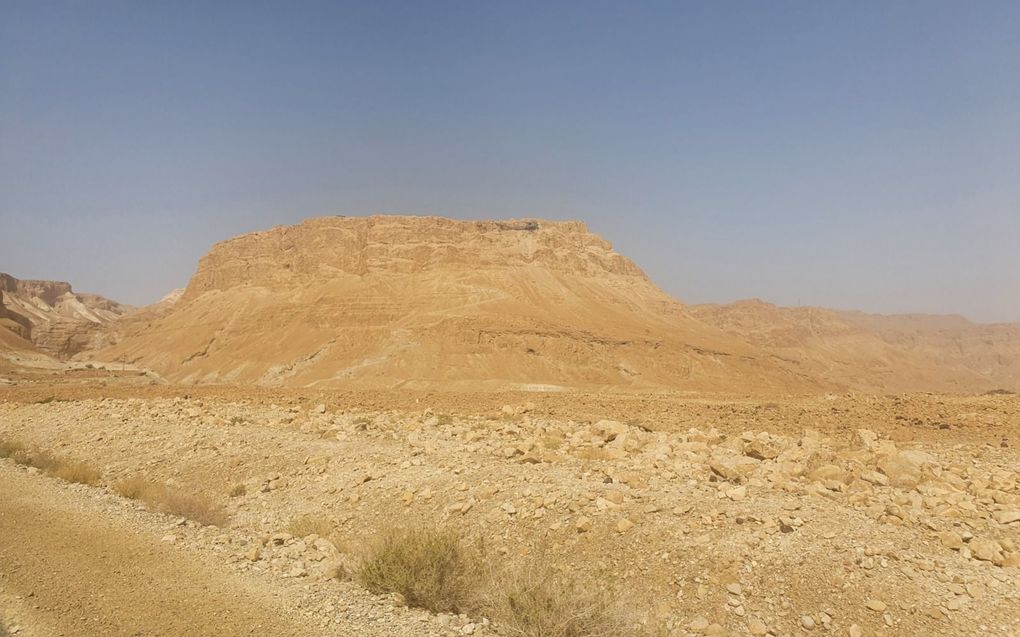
{"x":75,"y":572}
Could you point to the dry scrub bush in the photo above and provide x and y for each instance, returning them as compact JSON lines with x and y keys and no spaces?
{"x":56,"y":466}
{"x":8,"y":448}
{"x":433,"y":569}
{"x":73,"y":471}
{"x":429,"y":567}
{"x":162,"y":498}
{"x":194,"y":508}
{"x":139,"y":489}
{"x":532,"y":602}
{"x":41,"y":460}
{"x":311,"y":524}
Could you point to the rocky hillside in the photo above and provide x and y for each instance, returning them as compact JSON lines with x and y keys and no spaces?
{"x":426,"y":302}
{"x":54,"y":318}
{"x":875,"y":352}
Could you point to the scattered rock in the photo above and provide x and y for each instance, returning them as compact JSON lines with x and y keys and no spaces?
{"x":876,"y":605}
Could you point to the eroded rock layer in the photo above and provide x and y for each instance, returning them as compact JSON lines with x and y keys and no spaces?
{"x":53,"y":317}
{"x":426,"y":301}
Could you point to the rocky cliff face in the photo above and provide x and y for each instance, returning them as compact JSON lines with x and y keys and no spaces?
{"x":53,"y":317}
{"x":328,"y":247}
{"x":432,"y":302}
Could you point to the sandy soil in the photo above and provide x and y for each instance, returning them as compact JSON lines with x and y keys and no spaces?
{"x":79,"y":569}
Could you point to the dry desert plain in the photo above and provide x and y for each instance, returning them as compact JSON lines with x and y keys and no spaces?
{"x":402,"y":426}
{"x":834,"y":514}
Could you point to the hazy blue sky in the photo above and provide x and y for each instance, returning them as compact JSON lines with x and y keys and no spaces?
{"x":848,"y":154}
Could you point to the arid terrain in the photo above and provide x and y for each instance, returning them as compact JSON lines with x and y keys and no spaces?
{"x":229,"y":460}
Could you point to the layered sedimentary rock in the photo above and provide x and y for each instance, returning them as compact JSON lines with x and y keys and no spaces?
{"x":432,"y":302}
{"x":53,"y":317}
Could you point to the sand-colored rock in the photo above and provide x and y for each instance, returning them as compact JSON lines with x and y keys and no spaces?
{"x":427,"y":302}
{"x":57,"y":320}
{"x":872,"y":352}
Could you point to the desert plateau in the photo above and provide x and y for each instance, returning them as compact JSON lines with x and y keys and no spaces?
{"x":605,"y":459}
{"x":328,"y":318}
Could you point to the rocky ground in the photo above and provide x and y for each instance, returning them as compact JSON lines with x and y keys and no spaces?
{"x":838,"y":514}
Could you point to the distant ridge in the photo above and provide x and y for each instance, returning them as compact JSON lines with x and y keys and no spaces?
{"x":874,"y":352}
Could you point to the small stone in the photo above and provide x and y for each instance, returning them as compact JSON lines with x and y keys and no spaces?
{"x":280,"y":538}
{"x":1007,"y":517}
{"x":901,"y":470}
{"x":738,"y":493}
{"x":951,"y":540}
{"x":734,"y":588}
{"x":468,"y":629}
{"x":757,"y":627}
{"x":583,"y":524}
{"x":876,"y":605}
{"x":624,"y":525}
{"x":986,"y":550}
{"x":855,"y":631}
{"x":698,"y":624}
{"x":808,"y":622}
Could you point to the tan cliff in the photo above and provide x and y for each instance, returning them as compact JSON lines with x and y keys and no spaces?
{"x":54,"y":318}
{"x":396,"y":301}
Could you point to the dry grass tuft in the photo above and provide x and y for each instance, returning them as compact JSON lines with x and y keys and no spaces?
{"x":74,"y":471}
{"x":193,"y":507}
{"x":139,"y":489}
{"x":8,"y":448}
{"x":238,"y":490}
{"x":432,"y":568}
{"x":53,"y":465}
{"x":429,"y":567}
{"x":160,"y":497}
{"x":311,"y":524}
{"x":530,"y":602}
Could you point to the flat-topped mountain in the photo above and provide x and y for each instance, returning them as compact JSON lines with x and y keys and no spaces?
{"x":54,"y":318}
{"x":432,"y":302}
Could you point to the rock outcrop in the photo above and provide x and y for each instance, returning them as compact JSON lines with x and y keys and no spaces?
{"x":53,"y":317}
{"x":429,"y":302}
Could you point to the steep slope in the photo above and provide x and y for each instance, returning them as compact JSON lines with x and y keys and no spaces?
{"x":52,"y":316}
{"x":430,"y":302}
{"x":18,"y":354}
{"x":875,"y":352}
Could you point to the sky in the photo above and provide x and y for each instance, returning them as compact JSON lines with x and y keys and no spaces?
{"x":859,"y":155}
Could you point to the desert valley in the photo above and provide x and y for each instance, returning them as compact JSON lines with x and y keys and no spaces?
{"x":596,"y":457}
